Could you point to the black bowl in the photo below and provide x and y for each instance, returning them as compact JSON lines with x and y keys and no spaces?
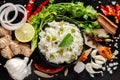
{"x":40,"y":58}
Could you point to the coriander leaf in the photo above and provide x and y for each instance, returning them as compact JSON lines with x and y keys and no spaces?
{"x":51,"y":1}
{"x":68,"y":39}
{"x":96,"y":24}
{"x":87,"y":30}
{"x":85,"y":17}
{"x":91,"y":12}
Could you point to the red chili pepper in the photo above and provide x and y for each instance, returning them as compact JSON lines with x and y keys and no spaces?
{"x":49,"y":70}
{"x":40,"y":7}
{"x":108,"y":10}
{"x":117,"y":17}
{"x":29,"y":7}
{"x":111,"y":10}
{"x":104,"y":10}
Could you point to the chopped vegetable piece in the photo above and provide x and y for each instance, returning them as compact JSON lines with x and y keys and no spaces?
{"x":73,"y":30}
{"x":61,"y":23}
{"x":48,"y":38}
{"x":73,"y":56}
{"x":83,"y":57}
{"x":52,"y":56}
{"x":54,"y":38}
{"x":60,"y":51}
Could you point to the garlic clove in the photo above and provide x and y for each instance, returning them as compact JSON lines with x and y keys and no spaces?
{"x":101,"y":58}
{"x":99,"y":62}
{"x":95,"y":65}
{"x":93,"y":53}
{"x":90,"y":69}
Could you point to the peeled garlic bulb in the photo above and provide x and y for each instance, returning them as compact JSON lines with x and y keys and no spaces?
{"x":18,"y":68}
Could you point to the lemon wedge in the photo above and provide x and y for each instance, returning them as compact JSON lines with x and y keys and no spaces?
{"x":25,"y":33}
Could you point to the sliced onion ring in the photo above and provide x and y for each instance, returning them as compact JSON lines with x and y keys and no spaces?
{"x":7,"y":24}
{"x":5,"y":9}
{"x":8,"y":10}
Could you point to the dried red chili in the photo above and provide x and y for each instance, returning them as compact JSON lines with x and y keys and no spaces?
{"x":29,"y":7}
{"x":104,"y":10}
{"x":117,"y":17}
{"x":109,"y":10}
{"x":49,"y":70}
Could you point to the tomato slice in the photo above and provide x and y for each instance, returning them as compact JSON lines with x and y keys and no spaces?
{"x":49,"y":70}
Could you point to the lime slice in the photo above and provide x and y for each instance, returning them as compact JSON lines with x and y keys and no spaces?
{"x":25,"y":33}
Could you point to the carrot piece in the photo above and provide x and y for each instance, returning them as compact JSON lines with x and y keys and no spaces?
{"x":105,"y":52}
{"x":83,"y":57}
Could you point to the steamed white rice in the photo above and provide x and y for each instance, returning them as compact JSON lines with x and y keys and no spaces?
{"x":52,"y":36}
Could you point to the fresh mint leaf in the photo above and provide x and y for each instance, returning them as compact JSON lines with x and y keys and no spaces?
{"x":67,"y":40}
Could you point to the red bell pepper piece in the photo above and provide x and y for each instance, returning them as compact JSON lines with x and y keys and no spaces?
{"x":29,"y":7}
{"x":49,"y":70}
